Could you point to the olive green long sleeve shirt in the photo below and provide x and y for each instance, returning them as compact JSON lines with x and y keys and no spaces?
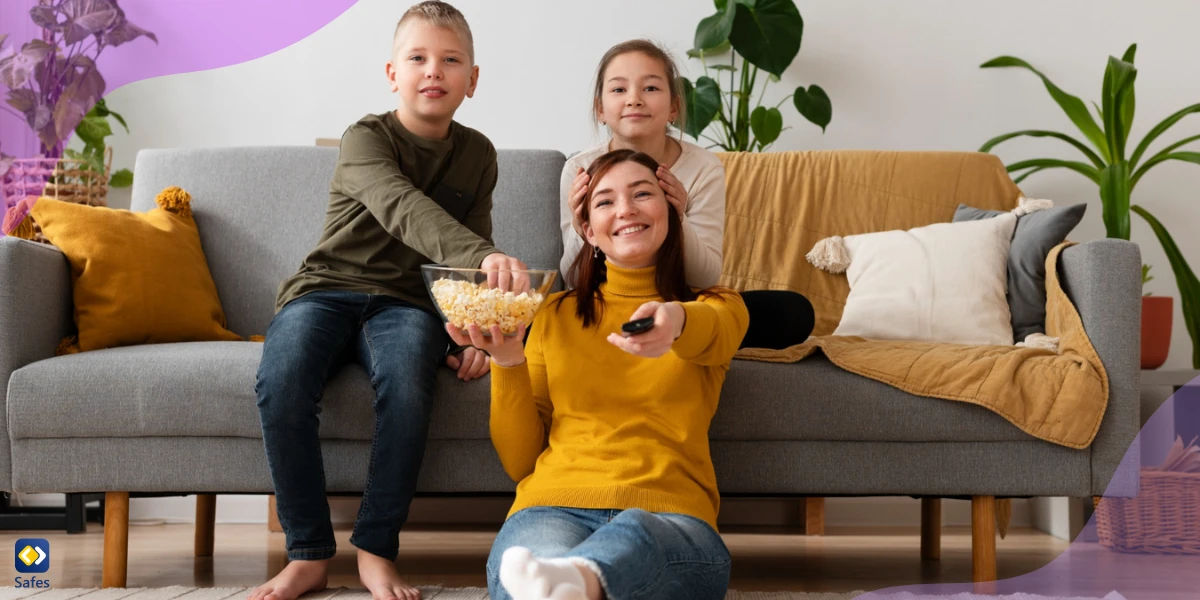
{"x":398,"y":201}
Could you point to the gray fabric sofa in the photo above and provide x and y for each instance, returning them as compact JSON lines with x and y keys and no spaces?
{"x":181,"y":418}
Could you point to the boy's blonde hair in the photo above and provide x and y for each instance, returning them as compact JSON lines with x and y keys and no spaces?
{"x":438,"y":14}
{"x":654,"y":51}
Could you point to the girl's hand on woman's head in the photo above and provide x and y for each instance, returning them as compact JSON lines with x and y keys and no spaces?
{"x":676,"y":194}
{"x":669,"y":319}
{"x":505,"y":351}
{"x":575,"y":200}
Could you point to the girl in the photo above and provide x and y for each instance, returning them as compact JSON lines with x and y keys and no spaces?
{"x":638,"y":95}
{"x":617,"y":494}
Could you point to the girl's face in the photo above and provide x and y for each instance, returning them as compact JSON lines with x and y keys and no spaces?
{"x":635,"y":98}
{"x":627,"y":216}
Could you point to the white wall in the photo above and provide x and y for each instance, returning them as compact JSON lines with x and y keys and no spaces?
{"x":902,"y":75}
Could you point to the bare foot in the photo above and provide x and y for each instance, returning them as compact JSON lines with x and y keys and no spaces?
{"x":379,"y":575}
{"x":298,"y":577}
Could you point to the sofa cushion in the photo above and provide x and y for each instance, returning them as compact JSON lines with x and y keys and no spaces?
{"x":137,"y":278}
{"x":207,"y":390}
{"x":939,"y":283}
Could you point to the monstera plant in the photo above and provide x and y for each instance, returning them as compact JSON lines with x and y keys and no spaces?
{"x":1109,"y":164}
{"x":746,"y":40}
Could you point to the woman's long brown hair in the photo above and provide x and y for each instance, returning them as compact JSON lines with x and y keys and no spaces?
{"x":589,"y":271}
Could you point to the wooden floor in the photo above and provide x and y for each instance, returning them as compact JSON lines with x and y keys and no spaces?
{"x":842,"y":560}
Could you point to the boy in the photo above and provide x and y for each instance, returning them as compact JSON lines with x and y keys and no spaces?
{"x":411,"y":186}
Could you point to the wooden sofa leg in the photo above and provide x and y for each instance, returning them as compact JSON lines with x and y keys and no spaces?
{"x":206,"y":518}
{"x":116,"y":539}
{"x":814,"y":516}
{"x":273,"y":515}
{"x":931,"y":528}
{"x":983,"y":543}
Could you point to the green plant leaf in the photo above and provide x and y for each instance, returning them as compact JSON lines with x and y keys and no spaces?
{"x":120,"y":120}
{"x":702,"y":53}
{"x":766,"y":123}
{"x":1115,"y":189}
{"x":1161,"y":156}
{"x":1129,"y":101}
{"x":93,"y":130}
{"x":814,"y":104}
{"x":714,"y":29}
{"x":1053,"y":163}
{"x":992,"y":143}
{"x":1130,"y":52}
{"x":1119,"y":78}
{"x":121,"y":179}
{"x":767,"y":33}
{"x":1026,"y":174}
{"x":703,"y":104}
{"x":100,"y":109}
{"x":1192,"y":157}
{"x":1159,"y":129}
{"x":722,"y":68}
{"x":1185,"y":280}
{"x":1071,"y":105}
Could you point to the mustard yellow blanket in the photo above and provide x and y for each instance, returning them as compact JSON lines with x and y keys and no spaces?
{"x":778,"y":205}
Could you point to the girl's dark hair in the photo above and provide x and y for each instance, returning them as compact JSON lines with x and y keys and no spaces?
{"x":654,"y":51}
{"x":589,"y":271}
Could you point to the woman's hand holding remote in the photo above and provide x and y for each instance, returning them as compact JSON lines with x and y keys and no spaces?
{"x":669,"y":319}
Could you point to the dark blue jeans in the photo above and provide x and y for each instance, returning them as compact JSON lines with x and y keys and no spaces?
{"x":401,"y":347}
{"x":637,"y":555}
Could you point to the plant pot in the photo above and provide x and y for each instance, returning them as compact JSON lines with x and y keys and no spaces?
{"x":1157,"y":312}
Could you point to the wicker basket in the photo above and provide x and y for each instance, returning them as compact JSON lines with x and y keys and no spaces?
{"x":65,"y":179}
{"x":1164,"y":517}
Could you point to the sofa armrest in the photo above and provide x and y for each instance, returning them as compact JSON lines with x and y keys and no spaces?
{"x":35,"y":314}
{"x":1103,"y":279}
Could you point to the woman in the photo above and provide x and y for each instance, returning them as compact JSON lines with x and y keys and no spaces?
{"x":605,"y":433}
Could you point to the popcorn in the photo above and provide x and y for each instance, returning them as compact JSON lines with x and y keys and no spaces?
{"x":464,"y":303}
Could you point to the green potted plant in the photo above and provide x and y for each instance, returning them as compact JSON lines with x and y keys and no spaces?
{"x":1117,"y":172}
{"x":747,"y":39}
{"x":91,"y":131}
{"x":53,"y":84}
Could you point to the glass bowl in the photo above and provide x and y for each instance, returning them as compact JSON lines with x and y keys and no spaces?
{"x":465,"y":297}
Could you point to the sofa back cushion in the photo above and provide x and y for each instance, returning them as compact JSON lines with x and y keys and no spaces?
{"x":779,"y":204}
{"x":260,"y":211}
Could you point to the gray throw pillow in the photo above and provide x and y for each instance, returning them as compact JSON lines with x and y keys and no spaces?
{"x":1036,"y":234}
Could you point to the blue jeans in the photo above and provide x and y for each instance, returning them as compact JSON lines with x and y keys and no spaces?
{"x":311,"y":338}
{"x":637,"y":554}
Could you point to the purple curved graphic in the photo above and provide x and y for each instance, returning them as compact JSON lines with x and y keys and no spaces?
{"x":155,"y":38}
{"x":1096,"y":570}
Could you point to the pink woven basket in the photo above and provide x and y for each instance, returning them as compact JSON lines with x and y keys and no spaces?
{"x":1164,"y":517}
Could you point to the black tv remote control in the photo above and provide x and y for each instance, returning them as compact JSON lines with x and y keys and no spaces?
{"x":638,"y":326}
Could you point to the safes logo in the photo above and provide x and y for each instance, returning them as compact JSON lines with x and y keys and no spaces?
{"x":32,"y":555}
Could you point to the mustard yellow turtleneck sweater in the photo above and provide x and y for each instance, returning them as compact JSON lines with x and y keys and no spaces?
{"x":583,"y":424}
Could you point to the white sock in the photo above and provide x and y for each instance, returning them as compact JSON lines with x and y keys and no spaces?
{"x":529,"y":578}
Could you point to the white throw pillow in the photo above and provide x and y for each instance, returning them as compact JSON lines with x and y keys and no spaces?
{"x":940,"y":283}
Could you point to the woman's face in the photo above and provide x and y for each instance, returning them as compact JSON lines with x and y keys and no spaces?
{"x":627,"y":216}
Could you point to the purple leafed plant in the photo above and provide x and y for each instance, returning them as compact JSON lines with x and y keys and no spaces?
{"x":53,"y":82}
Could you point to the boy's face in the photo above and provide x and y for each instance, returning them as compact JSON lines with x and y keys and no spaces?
{"x":431,"y":71}
{"x":636,"y":98}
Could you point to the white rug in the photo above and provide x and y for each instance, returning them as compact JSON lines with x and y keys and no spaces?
{"x":439,"y":593}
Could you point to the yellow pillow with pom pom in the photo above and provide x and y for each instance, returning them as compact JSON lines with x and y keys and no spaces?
{"x":138,"y":278}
